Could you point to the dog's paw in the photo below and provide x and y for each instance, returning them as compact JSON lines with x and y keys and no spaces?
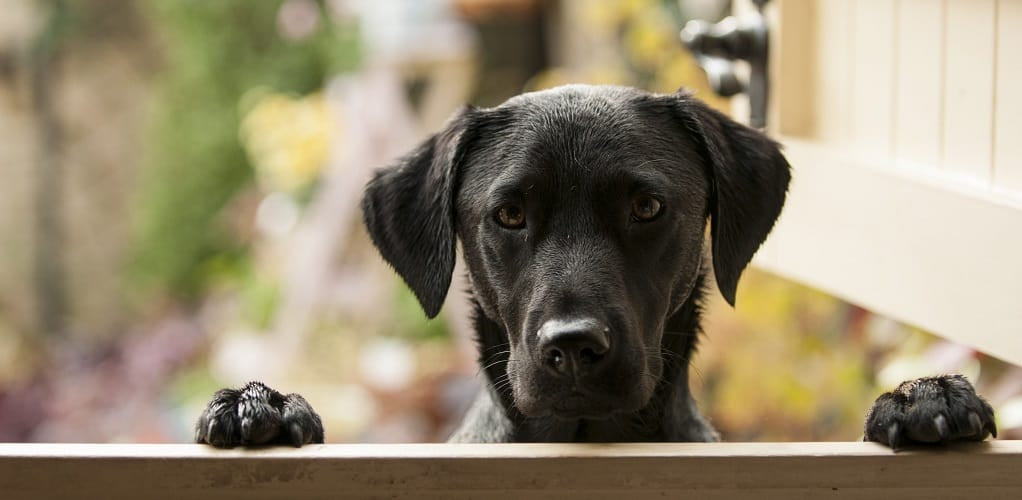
{"x":930,"y":410}
{"x":255,"y":415}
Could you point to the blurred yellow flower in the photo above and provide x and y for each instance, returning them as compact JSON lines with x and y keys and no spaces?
{"x":596,"y":75}
{"x":650,"y":38}
{"x":607,"y":75}
{"x":287,"y":138}
{"x":548,"y":79}
{"x":681,"y":70}
{"x":603,"y":15}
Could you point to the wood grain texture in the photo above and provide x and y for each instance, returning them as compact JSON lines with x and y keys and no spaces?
{"x":633,"y":471}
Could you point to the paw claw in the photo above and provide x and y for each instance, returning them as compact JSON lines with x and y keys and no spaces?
{"x":246,"y":429}
{"x":297,"y":436}
{"x":940,"y":424}
{"x":213,"y":437}
{"x":894,"y":436}
{"x":975,"y":424}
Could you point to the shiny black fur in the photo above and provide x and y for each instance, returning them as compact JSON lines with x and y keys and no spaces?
{"x":576,"y":160}
{"x":930,"y":410}
{"x":256,"y":415}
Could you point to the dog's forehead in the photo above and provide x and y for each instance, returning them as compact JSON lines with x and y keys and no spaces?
{"x":588,"y":127}
{"x":577,"y":93}
{"x":569,"y":134}
{"x":576,"y":108}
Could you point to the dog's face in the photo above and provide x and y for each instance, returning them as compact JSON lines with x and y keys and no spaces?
{"x":582,"y":226}
{"x":582,"y":213}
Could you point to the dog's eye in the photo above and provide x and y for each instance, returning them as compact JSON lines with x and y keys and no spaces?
{"x":645,"y":208}
{"x":511,"y":216}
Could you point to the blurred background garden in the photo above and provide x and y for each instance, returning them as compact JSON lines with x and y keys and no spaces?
{"x":179,"y":187}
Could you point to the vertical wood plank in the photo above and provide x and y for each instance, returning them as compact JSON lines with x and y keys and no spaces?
{"x":873,"y":76}
{"x":793,"y":67}
{"x":919,"y":83}
{"x":969,"y":87}
{"x":740,"y":104}
{"x":834,"y":70}
{"x":1008,"y":109}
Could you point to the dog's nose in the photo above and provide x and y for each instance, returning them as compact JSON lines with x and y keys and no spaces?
{"x":575,"y":346}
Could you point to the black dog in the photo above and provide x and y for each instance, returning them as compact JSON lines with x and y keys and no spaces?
{"x":582,"y":213}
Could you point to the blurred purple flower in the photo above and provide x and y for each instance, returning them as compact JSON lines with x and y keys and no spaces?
{"x":297,"y":19}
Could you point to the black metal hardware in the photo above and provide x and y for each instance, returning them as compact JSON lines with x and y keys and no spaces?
{"x":716,"y":48}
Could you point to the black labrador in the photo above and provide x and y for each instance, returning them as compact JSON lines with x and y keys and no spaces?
{"x":582,"y":214}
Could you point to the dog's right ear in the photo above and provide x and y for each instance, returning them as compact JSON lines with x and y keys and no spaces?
{"x":750,"y":181}
{"x":409,"y":210}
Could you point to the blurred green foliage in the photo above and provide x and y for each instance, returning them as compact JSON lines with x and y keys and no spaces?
{"x":214,"y":52}
{"x":409,"y":322}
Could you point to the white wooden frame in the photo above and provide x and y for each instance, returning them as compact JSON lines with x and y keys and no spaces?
{"x":512,"y":471}
{"x":940,"y":255}
{"x":901,"y":123}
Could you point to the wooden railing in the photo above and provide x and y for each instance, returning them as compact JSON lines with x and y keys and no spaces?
{"x":590,"y":471}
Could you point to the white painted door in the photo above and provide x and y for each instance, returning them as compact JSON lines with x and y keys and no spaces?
{"x":903,"y":122}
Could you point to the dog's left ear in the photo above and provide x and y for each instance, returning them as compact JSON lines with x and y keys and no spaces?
{"x":750,"y":180}
{"x":408,"y":208}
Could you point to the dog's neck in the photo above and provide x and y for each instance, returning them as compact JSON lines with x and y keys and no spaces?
{"x":670,"y":415}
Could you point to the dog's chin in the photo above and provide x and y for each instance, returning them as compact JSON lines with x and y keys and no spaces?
{"x":574,"y":405}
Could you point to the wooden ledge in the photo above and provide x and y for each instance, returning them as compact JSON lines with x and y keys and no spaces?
{"x":632,"y":471}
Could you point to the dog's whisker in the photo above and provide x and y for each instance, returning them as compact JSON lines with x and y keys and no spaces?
{"x":498,"y":346}
{"x":503,"y":385}
{"x":491,"y":364}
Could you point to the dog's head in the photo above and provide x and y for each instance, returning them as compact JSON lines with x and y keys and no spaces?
{"x":582,"y":213}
